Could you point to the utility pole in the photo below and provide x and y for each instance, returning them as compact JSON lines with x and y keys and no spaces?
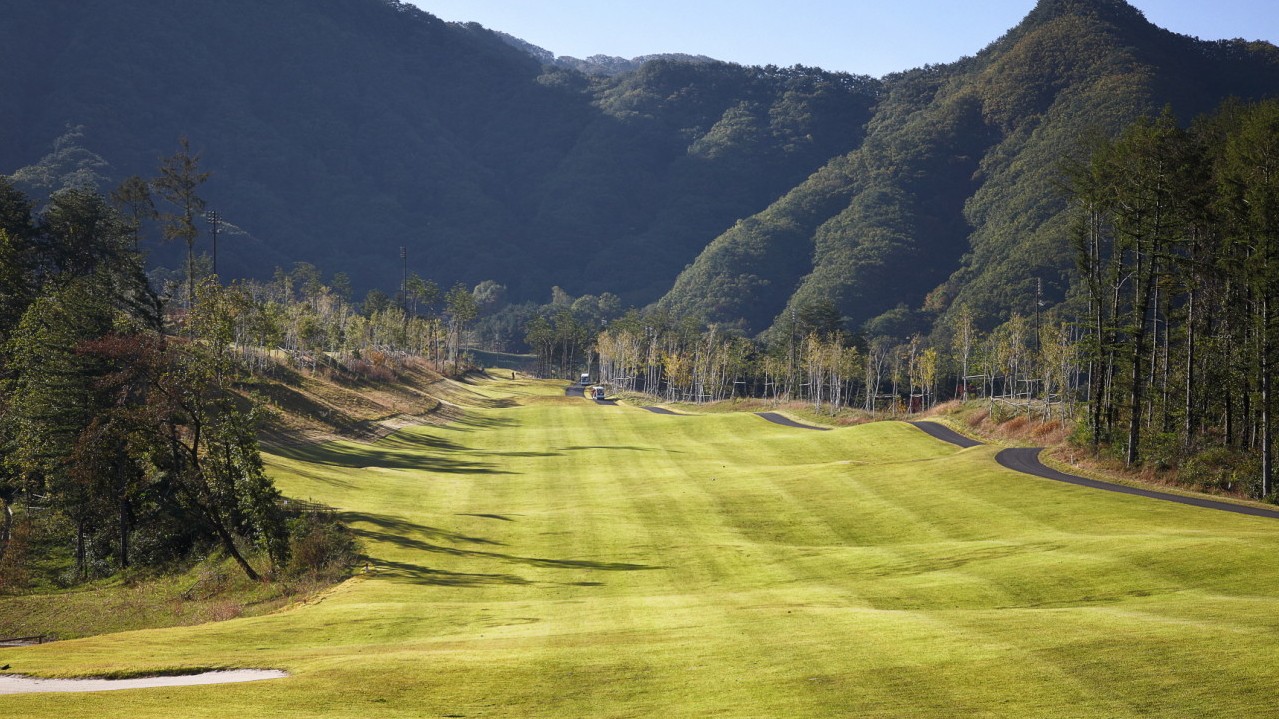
{"x":404,"y":293}
{"x":1039,"y":293}
{"x":215,"y":225}
{"x":404,"y":280}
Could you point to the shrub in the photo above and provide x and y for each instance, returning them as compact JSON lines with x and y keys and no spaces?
{"x":320,"y":545}
{"x":1081,"y":435}
{"x":15,"y":575}
{"x":1162,"y":450}
{"x":1223,"y":468}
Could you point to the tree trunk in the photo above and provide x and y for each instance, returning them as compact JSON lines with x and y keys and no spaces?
{"x":1267,"y":470}
{"x":124,"y":532}
{"x":228,"y":543}
{"x":1142,"y":294}
{"x":80,"y":549}
{"x":1191,"y":422}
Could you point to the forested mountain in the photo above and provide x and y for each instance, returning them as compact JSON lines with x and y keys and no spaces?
{"x":598,"y":64}
{"x":339,"y":130}
{"x":956,"y":193}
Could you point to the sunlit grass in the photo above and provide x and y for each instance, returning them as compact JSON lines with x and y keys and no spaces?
{"x":558,"y":558}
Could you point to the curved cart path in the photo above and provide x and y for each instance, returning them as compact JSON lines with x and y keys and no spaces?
{"x":946,"y":434}
{"x":1026,"y":461}
{"x":661,"y":410}
{"x":776,"y":418}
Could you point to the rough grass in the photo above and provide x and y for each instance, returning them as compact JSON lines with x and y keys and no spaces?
{"x":338,"y":402}
{"x":563,"y":559}
{"x":213,"y":590}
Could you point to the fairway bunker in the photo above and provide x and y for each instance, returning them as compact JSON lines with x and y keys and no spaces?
{"x":18,"y":684}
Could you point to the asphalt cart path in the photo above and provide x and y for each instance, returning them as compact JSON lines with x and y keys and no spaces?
{"x":785,"y":421}
{"x":1026,"y":461}
{"x":946,"y":434}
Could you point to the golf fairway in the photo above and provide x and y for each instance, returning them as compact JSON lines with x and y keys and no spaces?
{"x":549,"y":557}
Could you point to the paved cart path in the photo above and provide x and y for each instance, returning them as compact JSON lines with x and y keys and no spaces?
{"x":946,"y":434}
{"x":1026,"y":461}
{"x":776,"y":418}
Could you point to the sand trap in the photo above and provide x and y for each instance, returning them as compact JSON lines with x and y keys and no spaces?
{"x":17,"y":684}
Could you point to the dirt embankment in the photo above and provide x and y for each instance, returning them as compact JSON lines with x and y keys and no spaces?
{"x":336,"y":402}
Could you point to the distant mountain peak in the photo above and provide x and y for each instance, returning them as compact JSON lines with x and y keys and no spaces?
{"x":1115,"y":11}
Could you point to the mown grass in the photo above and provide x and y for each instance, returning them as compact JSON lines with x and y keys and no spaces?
{"x":558,"y":558}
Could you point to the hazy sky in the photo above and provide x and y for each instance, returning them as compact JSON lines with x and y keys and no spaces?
{"x":871,"y":37}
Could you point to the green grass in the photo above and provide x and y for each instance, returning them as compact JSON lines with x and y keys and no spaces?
{"x":562,"y":559}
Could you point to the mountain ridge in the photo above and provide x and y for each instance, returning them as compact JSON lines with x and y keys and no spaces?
{"x":339,"y":131}
{"x":990,"y":125}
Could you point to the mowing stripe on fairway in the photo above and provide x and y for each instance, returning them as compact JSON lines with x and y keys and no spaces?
{"x":549,"y":558}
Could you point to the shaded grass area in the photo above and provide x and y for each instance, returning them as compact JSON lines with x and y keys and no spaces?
{"x":213,"y":590}
{"x":605,"y":561}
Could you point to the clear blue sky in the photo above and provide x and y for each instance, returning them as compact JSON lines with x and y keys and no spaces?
{"x":860,"y":36}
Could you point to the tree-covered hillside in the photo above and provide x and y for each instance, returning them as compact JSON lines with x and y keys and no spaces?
{"x":956,"y":192}
{"x":339,"y":130}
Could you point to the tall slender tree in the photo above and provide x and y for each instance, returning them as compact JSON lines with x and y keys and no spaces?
{"x":1250,"y":182}
{"x":178,"y":185}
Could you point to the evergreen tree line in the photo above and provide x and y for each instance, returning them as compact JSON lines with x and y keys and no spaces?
{"x":1164,"y":353}
{"x":127,"y":434}
{"x":1177,"y":239}
{"x":130,"y":445}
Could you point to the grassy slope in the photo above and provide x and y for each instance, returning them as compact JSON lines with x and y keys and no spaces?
{"x":558,"y":558}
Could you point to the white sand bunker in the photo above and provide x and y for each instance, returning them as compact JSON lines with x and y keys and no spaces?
{"x":17,"y":684}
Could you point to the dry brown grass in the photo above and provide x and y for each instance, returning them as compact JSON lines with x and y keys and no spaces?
{"x":362,"y":400}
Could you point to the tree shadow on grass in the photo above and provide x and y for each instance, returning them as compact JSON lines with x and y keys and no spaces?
{"x":397,"y":531}
{"x":417,"y":442}
{"x":355,"y":457}
{"x":322,"y":478}
{"x":498,"y":517}
{"x":419,"y":574}
{"x":622,"y":447}
{"x":473,"y":421}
